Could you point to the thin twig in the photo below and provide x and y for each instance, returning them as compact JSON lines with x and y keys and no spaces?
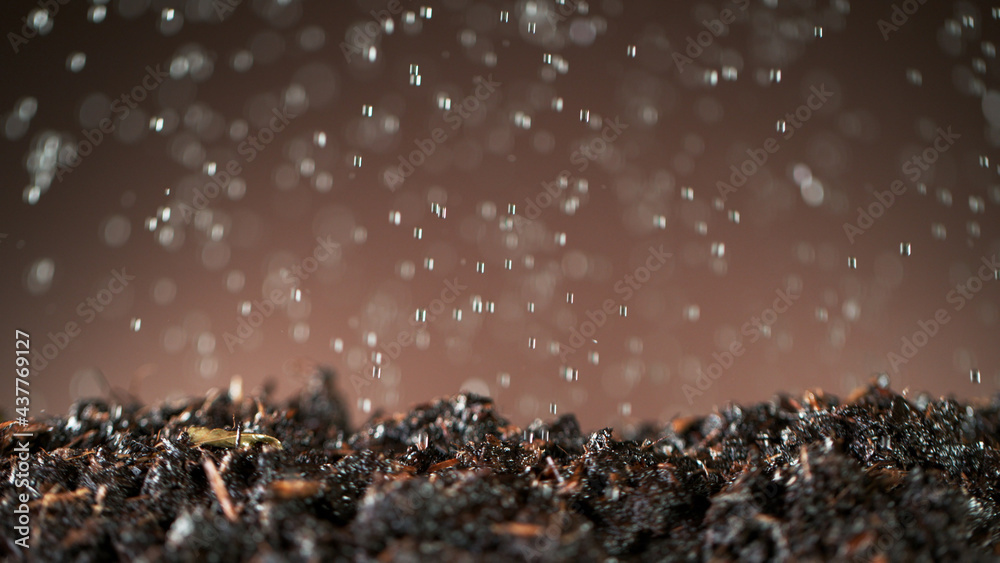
{"x":219,"y":488}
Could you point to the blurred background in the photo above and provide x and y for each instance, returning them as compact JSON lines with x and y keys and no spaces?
{"x":627,"y":210}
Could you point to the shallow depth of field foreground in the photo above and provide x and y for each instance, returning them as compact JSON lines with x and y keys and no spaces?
{"x":872,"y":477}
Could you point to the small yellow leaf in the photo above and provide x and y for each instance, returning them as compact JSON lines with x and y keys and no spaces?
{"x":220,"y":438}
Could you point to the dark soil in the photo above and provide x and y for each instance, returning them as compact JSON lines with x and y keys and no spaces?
{"x":876,"y":477}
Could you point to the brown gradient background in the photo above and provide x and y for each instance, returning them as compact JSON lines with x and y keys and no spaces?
{"x":684,"y":131}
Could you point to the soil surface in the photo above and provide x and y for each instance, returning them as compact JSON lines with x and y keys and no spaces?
{"x":875,"y":477}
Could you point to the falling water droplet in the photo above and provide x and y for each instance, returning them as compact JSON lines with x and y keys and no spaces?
{"x":977,"y":204}
{"x":974,"y":229}
{"x":569,"y":374}
{"x":692,"y":313}
{"x":883,"y":380}
{"x":96,"y":14}
{"x":76,"y":61}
